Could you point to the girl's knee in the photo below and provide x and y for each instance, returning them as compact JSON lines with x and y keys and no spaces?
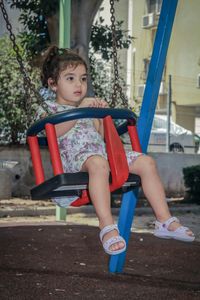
{"x":97,"y":164}
{"x":148,"y":161}
{"x":142,"y":164}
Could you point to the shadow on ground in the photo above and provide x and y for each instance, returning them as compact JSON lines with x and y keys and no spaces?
{"x":67,"y":262}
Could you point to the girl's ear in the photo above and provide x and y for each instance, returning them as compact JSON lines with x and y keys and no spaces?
{"x":52,"y":85}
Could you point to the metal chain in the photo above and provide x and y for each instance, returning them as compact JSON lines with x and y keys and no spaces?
{"x":117,"y":89}
{"x":29,"y":88}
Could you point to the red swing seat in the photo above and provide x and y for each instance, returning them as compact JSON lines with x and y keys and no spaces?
{"x":68,"y":184}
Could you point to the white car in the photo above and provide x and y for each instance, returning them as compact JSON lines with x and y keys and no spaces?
{"x":181,"y":139}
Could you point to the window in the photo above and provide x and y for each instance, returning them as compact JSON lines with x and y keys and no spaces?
{"x":154,"y":6}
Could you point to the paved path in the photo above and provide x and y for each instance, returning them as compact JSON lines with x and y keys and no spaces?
{"x":29,"y":212}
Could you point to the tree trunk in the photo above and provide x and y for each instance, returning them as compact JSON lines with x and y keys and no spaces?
{"x":83,"y":13}
{"x":82,"y":17}
{"x":53,"y":28}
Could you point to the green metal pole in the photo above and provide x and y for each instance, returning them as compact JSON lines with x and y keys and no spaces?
{"x":64,"y":42}
{"x":64,"y":23}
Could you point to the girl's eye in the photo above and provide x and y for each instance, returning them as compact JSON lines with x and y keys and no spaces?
{"x":84,"y":79}
{"x":70,"y":78}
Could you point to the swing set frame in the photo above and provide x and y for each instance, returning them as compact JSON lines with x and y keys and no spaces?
{"x":144,"y":124}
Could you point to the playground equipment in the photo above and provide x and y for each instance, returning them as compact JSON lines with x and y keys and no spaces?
{"x":63,"y":184}
{"x":144,"y":124}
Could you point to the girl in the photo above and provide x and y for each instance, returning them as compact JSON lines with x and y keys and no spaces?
{"x":82,"y":148}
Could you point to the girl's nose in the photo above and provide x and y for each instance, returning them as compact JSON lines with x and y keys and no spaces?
{"x":78,"y":82}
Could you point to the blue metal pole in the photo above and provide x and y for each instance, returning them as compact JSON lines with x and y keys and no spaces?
{"x":156,"y":67}
{"x":157,"y":63}
{"x":127,"y":211}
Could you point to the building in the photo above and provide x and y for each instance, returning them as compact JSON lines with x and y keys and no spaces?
{"x":183,"y":59}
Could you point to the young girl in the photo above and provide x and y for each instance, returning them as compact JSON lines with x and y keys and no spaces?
{"x":82,"y":148}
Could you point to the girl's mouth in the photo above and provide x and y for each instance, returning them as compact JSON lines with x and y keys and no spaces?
{"x":77,"y":93}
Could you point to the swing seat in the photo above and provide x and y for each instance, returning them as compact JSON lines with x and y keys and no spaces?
{"x":76,"y":184}
{"x":72,"y":184}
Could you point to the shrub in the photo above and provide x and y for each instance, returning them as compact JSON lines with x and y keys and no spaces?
{"x":13,"y":117}
{"x":192,"y":182}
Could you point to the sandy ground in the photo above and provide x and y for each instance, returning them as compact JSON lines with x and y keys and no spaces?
{"x":18,"y":211}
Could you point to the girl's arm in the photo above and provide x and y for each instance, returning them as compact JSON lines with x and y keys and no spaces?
{"x":64,"y":127}
{"x":61,"y":128}
{"x":98,"y":123}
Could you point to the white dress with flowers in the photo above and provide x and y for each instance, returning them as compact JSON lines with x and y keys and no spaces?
{"x":78,"y":144}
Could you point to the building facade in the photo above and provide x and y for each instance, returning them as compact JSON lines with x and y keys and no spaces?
{"x":183,"y":58}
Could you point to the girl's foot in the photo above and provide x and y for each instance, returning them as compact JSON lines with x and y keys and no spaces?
{"x":172,"y":229}
{"x":112,"y":242}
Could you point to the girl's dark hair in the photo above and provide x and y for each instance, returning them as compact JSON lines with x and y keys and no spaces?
{"x":57,"y":60}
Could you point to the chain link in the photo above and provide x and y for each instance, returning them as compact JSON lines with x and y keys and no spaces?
{"x":29,"y":88}
{"x":117,"y":89}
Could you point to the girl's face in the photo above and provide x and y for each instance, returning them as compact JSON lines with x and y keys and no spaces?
{"x":71,"y":86}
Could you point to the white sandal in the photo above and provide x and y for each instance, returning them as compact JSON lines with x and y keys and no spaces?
{"x":113,"y":240}
{"x":162,"y":231}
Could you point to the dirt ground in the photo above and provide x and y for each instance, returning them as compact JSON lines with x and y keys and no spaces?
{"x":63,"y":262}
{"x":42,"y":259}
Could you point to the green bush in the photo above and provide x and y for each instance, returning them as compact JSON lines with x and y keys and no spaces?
{"x":13,"y":117}
{"x":192,"y":182}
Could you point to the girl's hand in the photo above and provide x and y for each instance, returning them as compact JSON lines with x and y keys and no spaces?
{"x":93,"y":102}
{"x":102,"y":103}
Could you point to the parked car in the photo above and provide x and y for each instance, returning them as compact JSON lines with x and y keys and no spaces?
{"x":181,"y":139}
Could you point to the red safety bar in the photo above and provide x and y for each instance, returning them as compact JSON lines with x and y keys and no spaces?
{"x":36,"y":159}
{"x":132,"y":130}
{"x":115,"y":151}
{"x":83,"y":200}
{"x":116,"y":155}
{"x":54,"y":149}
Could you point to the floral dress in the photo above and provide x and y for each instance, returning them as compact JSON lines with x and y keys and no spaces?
{"x":77,"y":145}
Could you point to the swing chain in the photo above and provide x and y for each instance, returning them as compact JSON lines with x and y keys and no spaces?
{"x":29,"y":87}
{"x":117,"y":89}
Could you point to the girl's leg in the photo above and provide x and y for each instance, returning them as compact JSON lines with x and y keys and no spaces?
{"x":145,"y":167}
{"x":98,"y":170}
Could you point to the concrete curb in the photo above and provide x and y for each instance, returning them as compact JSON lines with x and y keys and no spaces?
{"x":44,"y":211}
